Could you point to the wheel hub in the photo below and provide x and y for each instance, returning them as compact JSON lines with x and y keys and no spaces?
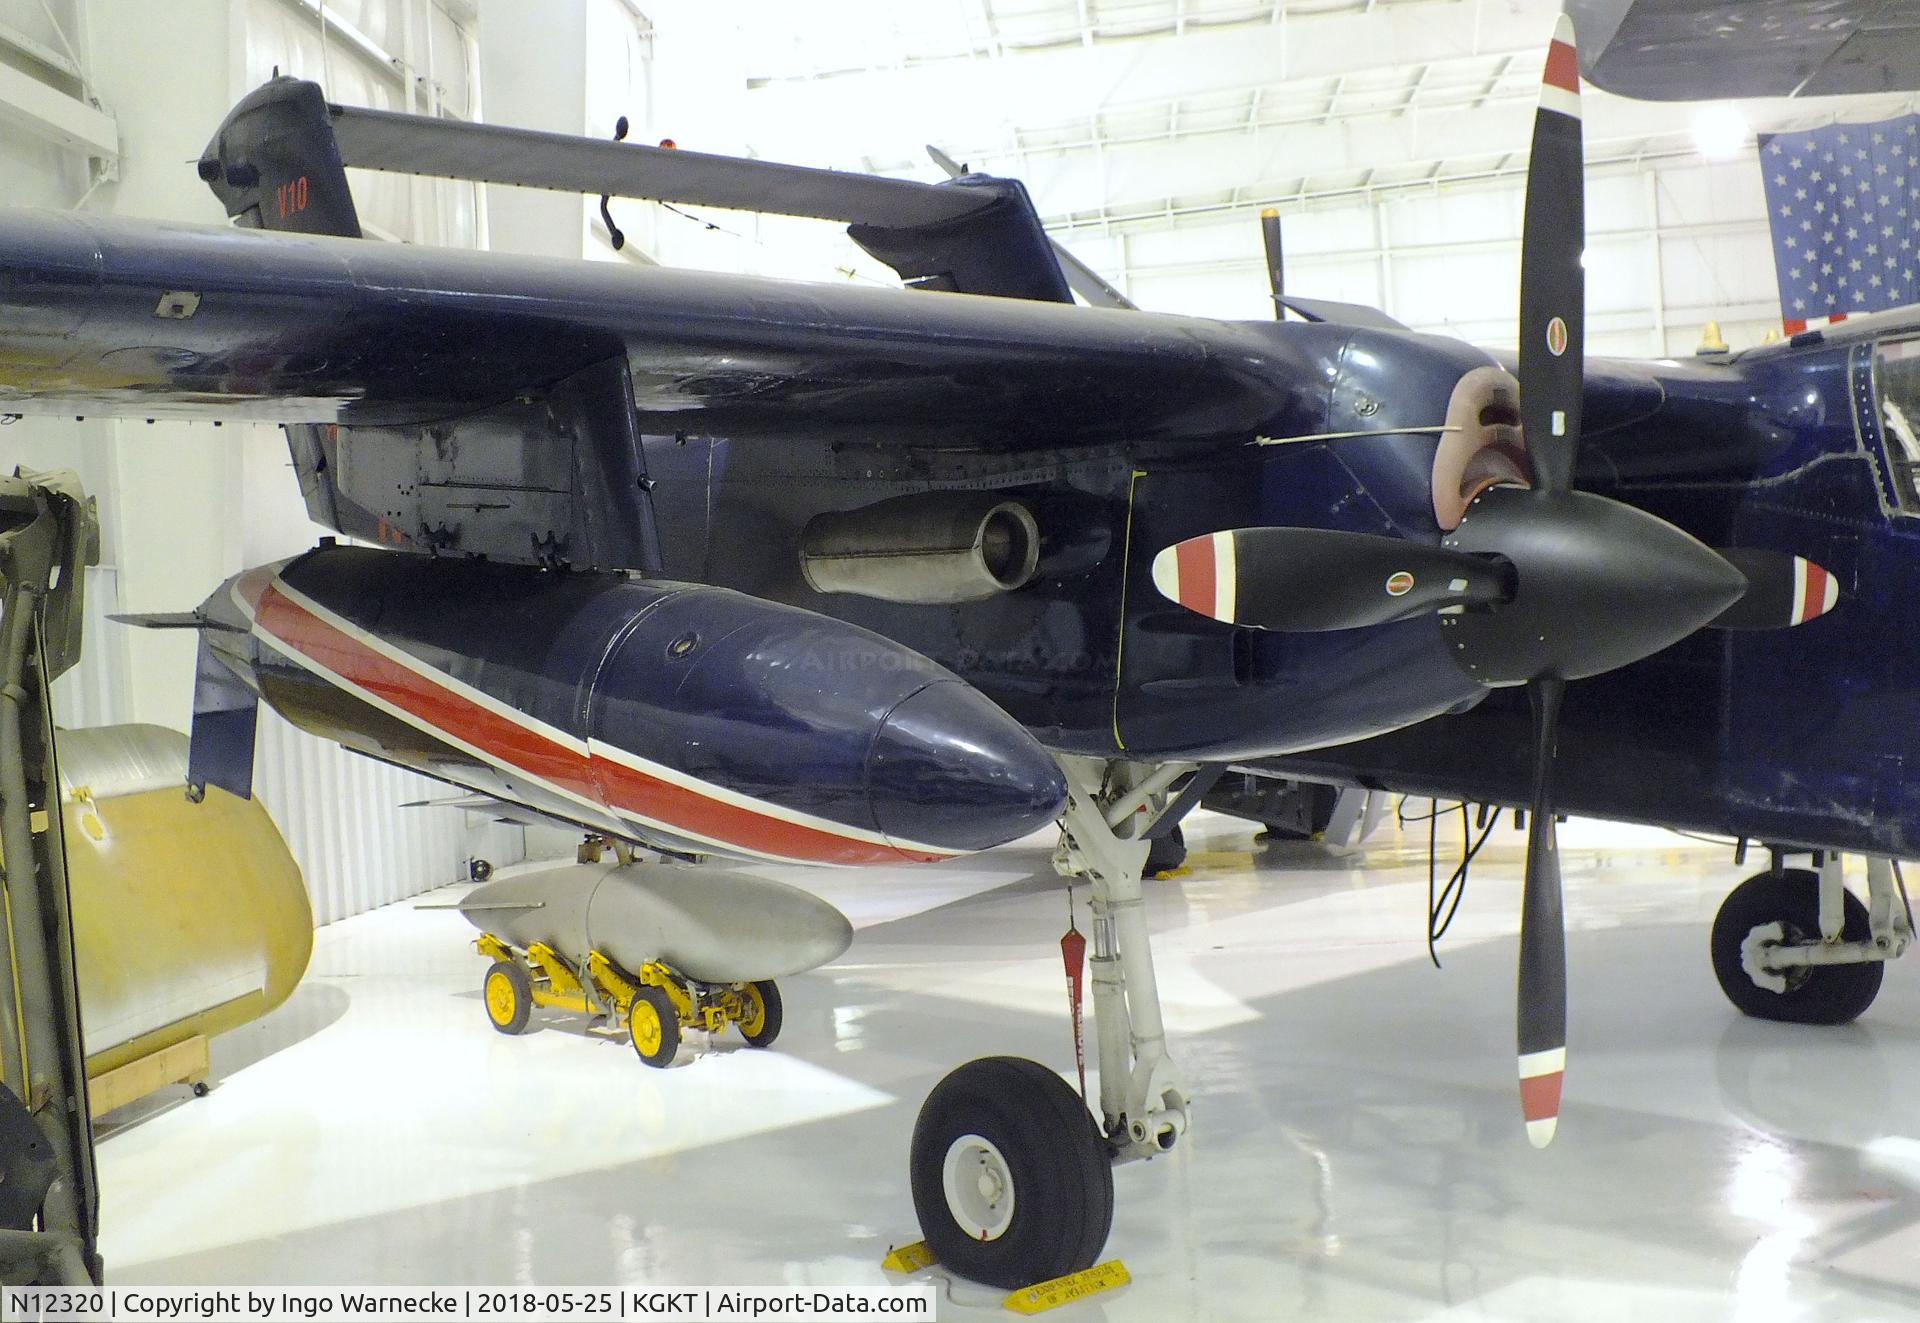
{"x":645,"y":1027}
{"x":979,"y":1187}
{"x":1759,"y":944}
{"x":500,"y":999}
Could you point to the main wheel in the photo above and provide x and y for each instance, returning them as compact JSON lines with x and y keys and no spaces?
{"x":655,"y":1026}
{"x":1165,"y":853}
{"x":479,"y":870}
{"x":1816,"y":994}
{"x":508,"y":992}
{"x":1012,"y":1182}
{"x":761,"y":1025}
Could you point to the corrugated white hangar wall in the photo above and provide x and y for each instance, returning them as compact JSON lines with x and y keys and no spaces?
{"x":183,"y":506}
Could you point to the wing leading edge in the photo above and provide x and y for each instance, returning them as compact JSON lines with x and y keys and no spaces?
{"x":141,"y":319}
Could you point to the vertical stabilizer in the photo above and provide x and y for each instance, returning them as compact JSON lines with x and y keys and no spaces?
{"x":225,"y":713}
{"x":275,"y":164}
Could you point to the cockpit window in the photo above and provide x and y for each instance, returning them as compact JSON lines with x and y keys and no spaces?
{"x":1898,"y":376}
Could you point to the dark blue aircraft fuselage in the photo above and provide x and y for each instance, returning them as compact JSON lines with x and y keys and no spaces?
{"x":1802,"y":736}
{"x":754,"y":405}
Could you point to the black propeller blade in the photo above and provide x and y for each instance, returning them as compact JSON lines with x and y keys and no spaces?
{"x":1782,"y":590}
{"x":1552,"y":366}
{"x":1542,"y":1019}
{"x":1308,"y":580}
{"x":1276,"y":266}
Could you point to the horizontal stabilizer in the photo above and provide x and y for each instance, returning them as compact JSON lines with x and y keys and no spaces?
{"x":476,"y":803}
{"x":518,"y":815}
{"x":529,"y":158}
{"x":1340,"y":314}
{"x":171,"y":620}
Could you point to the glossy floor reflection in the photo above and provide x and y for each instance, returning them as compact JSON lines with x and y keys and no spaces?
{"x":1357,"y":1151}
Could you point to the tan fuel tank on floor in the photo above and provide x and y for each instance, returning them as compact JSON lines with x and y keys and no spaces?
{"x":188,"y":919}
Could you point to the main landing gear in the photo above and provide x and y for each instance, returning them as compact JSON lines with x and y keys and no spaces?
{"x":1012,"y":1179}
{"x":1794,"y":944}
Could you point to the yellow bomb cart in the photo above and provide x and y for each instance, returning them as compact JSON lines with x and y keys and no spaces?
{"x":658,"y":947}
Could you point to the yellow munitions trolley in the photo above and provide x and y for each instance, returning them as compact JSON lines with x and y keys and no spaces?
{"x":654,"y":1003}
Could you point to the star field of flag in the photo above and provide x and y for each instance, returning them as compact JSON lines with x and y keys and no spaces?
{"x":1843,"y":202}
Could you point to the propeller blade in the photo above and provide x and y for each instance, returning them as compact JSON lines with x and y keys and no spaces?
{"x":1783,"y":590}
{"x":1552,"y":281}
{"x":1542,"y":1009}
{"x":1313,"y":579}
{"x":1276,"y":267}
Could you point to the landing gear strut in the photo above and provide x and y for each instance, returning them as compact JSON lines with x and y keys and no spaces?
{"x":1012,"y":1179}
{"x":1793,"y":944}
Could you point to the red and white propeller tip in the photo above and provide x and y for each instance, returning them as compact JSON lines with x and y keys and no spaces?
{"x":1815,"y":591}
{"x":1560,"y":82}
{"x":1200,"y":574}
{"x":1541,"y":1074}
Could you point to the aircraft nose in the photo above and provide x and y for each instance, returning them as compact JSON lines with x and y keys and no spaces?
{"x":950,"y":771}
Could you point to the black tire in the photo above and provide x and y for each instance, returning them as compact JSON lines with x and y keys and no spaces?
{"x":479,"y":870}
{"x":1821,"y":994}
{"x":655,"y":1046}
{"x":1166,"y":853}
{"x":507,"y":993}
{"x":771,"y":1015}
{"x":1055,"y":1161}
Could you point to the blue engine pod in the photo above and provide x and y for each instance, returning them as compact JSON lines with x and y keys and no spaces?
{"x":692,"y":718}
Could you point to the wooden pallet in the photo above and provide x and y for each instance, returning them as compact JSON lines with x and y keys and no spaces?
{"x":184,"y":1062}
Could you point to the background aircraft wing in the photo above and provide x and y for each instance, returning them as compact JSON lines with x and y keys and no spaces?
{"x":146,"y":319}
{"x":1709,"y":50}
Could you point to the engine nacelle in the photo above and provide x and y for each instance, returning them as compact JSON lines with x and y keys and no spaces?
{"x":933,"y":547}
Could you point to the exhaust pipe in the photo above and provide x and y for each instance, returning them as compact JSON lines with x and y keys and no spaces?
{"x":932,"y":547}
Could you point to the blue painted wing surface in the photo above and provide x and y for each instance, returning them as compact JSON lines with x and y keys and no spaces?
{"x":296,"y":328}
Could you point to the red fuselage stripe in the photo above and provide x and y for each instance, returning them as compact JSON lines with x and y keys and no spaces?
{"x":602,"y":781}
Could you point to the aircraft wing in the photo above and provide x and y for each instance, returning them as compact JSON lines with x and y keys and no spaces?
{"x":1708,"y":50}
{"x":144,"y":319}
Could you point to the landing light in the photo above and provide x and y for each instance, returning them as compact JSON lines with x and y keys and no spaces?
{"x":1720,"y":131}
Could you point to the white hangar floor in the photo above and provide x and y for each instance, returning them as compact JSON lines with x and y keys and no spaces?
{"x":1357,"y":1151}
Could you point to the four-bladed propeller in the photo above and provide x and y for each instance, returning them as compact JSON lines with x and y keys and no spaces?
{"x":1552,"y":363}
{"x":1538,"y":585}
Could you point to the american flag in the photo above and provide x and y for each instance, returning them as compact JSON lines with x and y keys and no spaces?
{"x":1842,"y":202}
